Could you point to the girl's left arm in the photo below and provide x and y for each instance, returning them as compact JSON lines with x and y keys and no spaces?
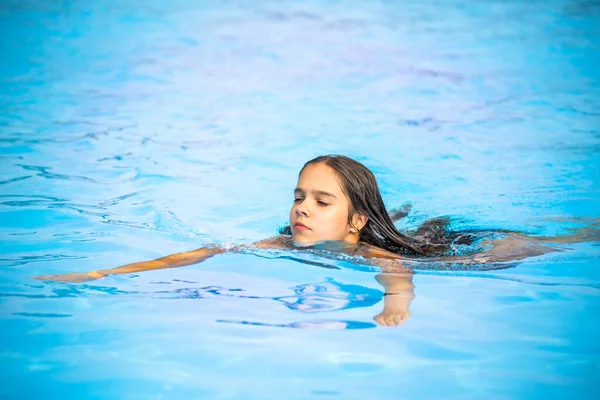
{"x":399,"y":294}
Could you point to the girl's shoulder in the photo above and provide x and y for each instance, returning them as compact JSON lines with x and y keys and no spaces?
{"x":277,"y":242}
{"x":369,"y":251}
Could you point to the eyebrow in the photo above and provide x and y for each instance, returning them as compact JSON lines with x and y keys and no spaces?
{"x":316,"y":192}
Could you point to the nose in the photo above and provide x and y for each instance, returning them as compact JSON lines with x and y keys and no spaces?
{"x":301,"y":210}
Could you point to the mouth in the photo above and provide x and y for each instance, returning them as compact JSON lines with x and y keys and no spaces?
{"x":301,"y":227}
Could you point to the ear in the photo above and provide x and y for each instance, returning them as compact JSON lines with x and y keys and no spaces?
{"x":358,"y":222}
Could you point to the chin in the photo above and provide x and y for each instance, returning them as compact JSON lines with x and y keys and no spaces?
{"x":300,"y":241}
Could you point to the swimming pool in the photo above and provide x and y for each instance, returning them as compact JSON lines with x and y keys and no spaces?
{"x":132,"y":130}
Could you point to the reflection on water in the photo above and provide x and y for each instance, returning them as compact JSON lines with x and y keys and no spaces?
{"x":326,"y":296}
{"x":330,"y":296}
{"x":328,"y":325}
{"x":308,"y":298}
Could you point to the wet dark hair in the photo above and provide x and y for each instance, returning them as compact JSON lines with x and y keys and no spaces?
{"x":359,"y":184}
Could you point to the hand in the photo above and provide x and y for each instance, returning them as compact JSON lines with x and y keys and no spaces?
{"x":395,"y":310}
{"x":74,"y":277}
{"x":392,"y":318}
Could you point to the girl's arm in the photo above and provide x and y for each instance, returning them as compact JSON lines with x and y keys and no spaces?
{"x":399,"y":293}
{"x":397,"y":281}
{"x":172,"y":261}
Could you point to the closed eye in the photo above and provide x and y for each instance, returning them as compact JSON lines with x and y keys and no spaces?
{"x":322,"y":203}
{"x":297,"y":199}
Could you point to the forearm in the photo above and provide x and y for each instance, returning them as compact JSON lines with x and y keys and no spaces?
{"x":399,"y":293}
{"x":135,"y":267}
{"x":396,"y":282}
{"x":172,"y":261}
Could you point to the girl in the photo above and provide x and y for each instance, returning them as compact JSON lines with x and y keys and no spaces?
{"x":338,"y":209}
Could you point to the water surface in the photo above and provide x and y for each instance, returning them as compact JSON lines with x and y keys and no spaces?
{"x":132,"y":130}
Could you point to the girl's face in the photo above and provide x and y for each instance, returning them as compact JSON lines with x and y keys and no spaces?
{"x":320,"y":210}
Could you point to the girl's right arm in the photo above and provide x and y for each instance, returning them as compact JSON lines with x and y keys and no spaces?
{"x":172,"y":261}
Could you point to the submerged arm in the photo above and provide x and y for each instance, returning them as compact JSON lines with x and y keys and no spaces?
{"x":171,"y":261}
{"x":397,"y":281}
{"x":515,"y":246}
{"x":399,"y":293}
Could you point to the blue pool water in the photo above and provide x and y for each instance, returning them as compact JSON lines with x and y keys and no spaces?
{"x":132,"y":130}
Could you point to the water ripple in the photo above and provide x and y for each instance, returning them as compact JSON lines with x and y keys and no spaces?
{"x":23,"y":260}
{"x":17,"y":179}
{"x":41,"y":315}
{"x":117,"y":200}
{"x":44,"y":173}
{"x":320,"y":324}
{"x":34,"y":196}
{"x":62,"y":140}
